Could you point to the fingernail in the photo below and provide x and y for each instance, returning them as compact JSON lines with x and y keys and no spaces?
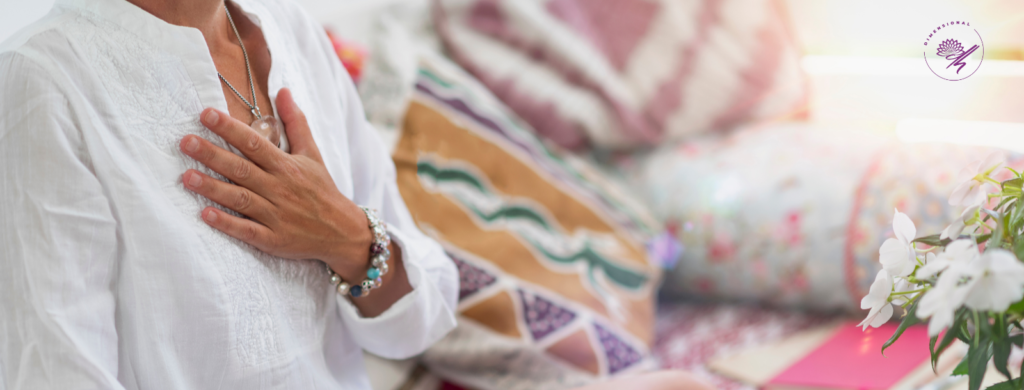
{"x":195,"y":180}
{"x":211,"y":216}
{"x":192,"y":144}
{"x":212,"y":117}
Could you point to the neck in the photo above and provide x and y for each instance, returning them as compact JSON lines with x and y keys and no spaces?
{"x":205,"y":15}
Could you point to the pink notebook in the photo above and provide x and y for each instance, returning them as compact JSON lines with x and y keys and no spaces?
{"x":851,"y":359}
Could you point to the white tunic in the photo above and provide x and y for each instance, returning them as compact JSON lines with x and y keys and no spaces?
{"x":108,"y":277}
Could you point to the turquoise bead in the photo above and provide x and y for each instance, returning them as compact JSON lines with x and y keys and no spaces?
{"x":373,"y":273}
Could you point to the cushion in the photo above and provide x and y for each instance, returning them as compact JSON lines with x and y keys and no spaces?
{"x":557,"y":289}
{"x":794,"y":214}
{"x":623,"y":73}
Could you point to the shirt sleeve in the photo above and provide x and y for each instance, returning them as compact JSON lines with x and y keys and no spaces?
{"x":427,"y":313}
{"x":57,"y":243}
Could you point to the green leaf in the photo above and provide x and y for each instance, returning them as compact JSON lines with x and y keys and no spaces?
{"x":1007,"y":385}
{"x":1016,"y":307}
{"x":961,"y":369}
{"x":1013,"y":184}
{"x":1005,"y":201}
{"x":951,"y":334}
{"x":980,"y":351}
{"x":1018,"y":247}
{"x":1001,"y":345}
{"x":1016,"y":217}
{"x":908,"y":320}
{"x":977,"y":364}
{"x":982,"y":238}
{"x":933,"y":240}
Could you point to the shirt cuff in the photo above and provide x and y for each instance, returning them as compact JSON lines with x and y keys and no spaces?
{"x":410,"y":325}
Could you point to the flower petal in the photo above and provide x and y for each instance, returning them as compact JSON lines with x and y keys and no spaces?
{"x":903,"y":227}
{"x":883,"y":316}
{"x":879,"y":291}
{"x":963,"y":250}
{"x":953,"y":230}
{"x":893,"y":256}
{"x":1000,"y":281}
{"x":870,"y":317}
{"x":978,"y":194}
{"x":939,"y":322}
{"x":956,"y":198}
{"x":969,"y":213}
{"x":992,"y":162}
{"x":932,"y":268}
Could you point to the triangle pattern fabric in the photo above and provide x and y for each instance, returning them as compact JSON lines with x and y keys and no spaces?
{"x":619,"y":353}
{"x":471,"y":278}
{"x":544,"y":317}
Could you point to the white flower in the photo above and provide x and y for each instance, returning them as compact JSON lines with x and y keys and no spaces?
{"x":999,"y":280}
{"x":991,"y":281}
{"x":973,"y":189}
{"x":897,"y":254}
{"x":878,"y":301}
{"x":954,"y":229}
{"x":940,"y":303}
{"x":902,"y":285}
{"x":959,"y":251}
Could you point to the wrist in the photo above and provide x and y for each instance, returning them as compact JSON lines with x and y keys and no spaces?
{"x":349,"y":254}
{"x":365,"y":272}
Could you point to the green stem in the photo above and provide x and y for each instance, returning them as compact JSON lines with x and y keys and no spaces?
{"x":976,"y":340}
{"x":908,"y":292}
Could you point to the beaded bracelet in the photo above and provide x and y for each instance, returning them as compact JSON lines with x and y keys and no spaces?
{"x":379,"y":255}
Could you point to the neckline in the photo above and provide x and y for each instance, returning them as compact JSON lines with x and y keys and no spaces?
{"x":188,"y":43}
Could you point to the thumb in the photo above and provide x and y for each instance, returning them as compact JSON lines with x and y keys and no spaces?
{"x":299,"y":137}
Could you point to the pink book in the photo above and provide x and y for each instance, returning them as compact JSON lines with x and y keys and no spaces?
{"x":851,"y":359}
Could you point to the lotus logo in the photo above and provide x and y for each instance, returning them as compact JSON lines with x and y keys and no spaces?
{"x":950,"y":60}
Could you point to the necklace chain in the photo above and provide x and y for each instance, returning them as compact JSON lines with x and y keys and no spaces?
{"x":254,"y":106}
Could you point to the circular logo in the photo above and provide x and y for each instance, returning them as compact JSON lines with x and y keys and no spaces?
{"x":954,"y":50}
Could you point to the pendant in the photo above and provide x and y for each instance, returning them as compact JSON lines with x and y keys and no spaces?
{"x":270,"y":128}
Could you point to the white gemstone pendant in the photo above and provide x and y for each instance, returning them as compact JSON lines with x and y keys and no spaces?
{"x":271,"y":128}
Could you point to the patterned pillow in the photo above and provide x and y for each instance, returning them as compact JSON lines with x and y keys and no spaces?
{"x":794,"y":214}
{"x":620,"y":73}
{"x":556,"y":286}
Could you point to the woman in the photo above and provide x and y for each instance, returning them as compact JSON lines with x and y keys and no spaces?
{"x":148,"y":242}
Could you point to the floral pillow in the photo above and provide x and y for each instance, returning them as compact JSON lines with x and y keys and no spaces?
{"x":622,"y":73}
{"x":794,"y":214}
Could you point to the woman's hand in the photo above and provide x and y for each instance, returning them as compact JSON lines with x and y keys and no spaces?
{"x":295,"y":209}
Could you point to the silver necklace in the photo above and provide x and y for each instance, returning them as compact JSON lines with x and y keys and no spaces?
{"x":267,"y":126}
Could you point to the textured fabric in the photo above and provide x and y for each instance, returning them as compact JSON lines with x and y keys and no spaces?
{"x":621,"y":73}
{"x":690,"y":335}
{"x":109,"y":277}
{"x":793,"y":214}
{"x":556,"y":289}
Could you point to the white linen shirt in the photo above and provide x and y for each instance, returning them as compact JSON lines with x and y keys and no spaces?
{"x":109,"y":279}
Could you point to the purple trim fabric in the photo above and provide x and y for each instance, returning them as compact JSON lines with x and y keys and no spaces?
{"x":658,"y":73}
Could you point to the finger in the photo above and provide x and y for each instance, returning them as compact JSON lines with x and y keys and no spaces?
{"x":236,"y":169}
{"x":295,"y":124}
{"x":253,"y":145}
{"x":231,"y":196}
{"x":243,"y":229}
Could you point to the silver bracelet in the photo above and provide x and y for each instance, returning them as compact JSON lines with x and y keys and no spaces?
{"x":379,"y":255}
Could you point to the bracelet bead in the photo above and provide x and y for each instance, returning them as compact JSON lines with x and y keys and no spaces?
{"x":355,"y":291}
{"x":373,"y":273}
{"x":379,"y":255}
